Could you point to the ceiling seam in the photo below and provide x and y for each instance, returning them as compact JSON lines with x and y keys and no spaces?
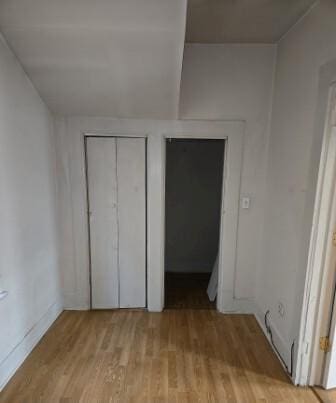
{"x":177,"y":112}
{"x":303,"y":16}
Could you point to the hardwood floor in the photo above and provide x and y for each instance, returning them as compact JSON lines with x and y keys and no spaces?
{"x":136,"y":356}
{"x":326,"y":396}
{"x":187,"y":290}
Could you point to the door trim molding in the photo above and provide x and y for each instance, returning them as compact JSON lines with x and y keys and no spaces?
{"x":230,"y":197}
{"x":155,"y":131}
{"x":309,"y":362}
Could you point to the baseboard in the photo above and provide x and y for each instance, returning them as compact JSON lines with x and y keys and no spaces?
{"x":284,"y":349}
{"x":244,"y":306}
{"x":227,"y":303}
{"x":75,"y":302}
{"x":16,"y":357}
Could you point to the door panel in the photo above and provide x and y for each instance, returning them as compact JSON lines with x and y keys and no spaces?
{"x":329,"y":380}
{"x":102,"y":194}
{"x":131,"y":168}
{"x":328,"y":291}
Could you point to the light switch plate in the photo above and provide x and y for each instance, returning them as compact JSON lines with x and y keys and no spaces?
{"x":245,"y":203}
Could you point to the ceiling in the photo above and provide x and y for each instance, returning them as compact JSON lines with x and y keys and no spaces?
{"x":119,"y":58}
{"x":244,"y":21}
{"x":123,"y":58}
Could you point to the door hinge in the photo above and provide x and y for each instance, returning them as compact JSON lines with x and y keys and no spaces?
{"x":334,"y":238}
{"x":324,"y":344}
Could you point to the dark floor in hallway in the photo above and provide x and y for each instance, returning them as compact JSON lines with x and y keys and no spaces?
{"x":187,"y":290}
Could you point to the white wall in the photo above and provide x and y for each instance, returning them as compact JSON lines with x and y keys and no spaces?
{"x":235,"y":82}
{"x":219,"y":82}
{"x":72,"y":186}
{"x":294,"y":152}
{"x":28,"y":216}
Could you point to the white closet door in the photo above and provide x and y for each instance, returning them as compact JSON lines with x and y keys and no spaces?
{"x":131,"y":168}
{"x":102,"y":193}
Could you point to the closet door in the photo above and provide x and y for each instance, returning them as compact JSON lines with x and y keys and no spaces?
{"x":131,"y":168}
{"x":102,"y":195}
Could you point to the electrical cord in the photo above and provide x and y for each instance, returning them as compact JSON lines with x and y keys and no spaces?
{"x":269,"y":331}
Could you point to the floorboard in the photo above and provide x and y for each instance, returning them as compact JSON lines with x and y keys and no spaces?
{"x":326,"y":396}
{"x":136,"y":356}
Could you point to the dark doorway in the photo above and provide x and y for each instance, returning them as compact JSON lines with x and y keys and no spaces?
{"x":194,"y":176}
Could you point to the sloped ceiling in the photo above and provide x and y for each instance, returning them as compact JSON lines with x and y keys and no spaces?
{"x":242,"y":21}
{"x":123,"y":58}
{"x":119,"y":58}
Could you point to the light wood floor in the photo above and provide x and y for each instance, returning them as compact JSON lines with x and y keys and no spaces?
{"x":135,"y":356}
{"x":326,"y":396}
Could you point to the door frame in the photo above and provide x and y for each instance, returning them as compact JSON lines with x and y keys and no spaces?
{"x":71,"y":148}
{"x":90,"y":135}
{"x":315,"y":301}
{"x":230,"y":203}
{"x":327,"y":315}
{"x":221,"y":235}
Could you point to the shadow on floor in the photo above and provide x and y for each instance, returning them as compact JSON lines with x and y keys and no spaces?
{"x":187,"y":291}
{"x":181,"y":355}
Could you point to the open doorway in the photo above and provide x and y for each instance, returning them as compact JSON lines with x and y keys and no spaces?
{"x":324,"y":350}
{"x":193,"y":195}
{"x":317,"y":348}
